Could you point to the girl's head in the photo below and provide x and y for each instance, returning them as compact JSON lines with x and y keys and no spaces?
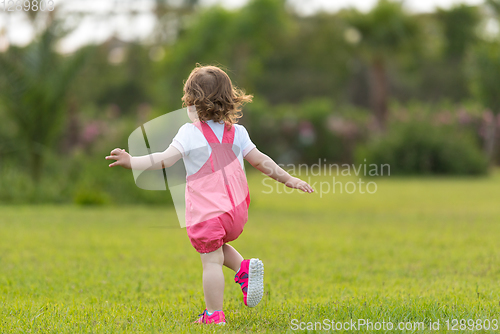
{"x":210,"y":90}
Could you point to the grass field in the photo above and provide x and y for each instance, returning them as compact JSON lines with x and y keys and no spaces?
{"x":418,"y":250}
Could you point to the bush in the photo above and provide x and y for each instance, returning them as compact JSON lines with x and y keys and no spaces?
{"x":87,"y":196}
{"x":96,"y":183}
{"x":419,"y":147}
{"x":75,"y":178}
{"x":303,"y":133}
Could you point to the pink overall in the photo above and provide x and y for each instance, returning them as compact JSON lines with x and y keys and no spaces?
{"x":217,"y":196}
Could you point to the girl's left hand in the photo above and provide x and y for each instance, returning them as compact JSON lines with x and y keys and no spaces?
{"x":297,"y":183}
{"x":122,"y":158}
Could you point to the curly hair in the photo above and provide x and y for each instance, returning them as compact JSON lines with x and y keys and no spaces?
{"x":211,"y":91}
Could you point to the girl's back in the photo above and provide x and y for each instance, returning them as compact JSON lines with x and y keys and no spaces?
{"x":196,"y":151}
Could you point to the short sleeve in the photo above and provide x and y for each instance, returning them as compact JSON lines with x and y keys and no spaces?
{"x":246,"y":144}
{"x":181,"y":140}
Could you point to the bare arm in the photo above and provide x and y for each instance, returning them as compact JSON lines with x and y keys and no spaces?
{"x":157,"y":160}
{"x":267,"y":166}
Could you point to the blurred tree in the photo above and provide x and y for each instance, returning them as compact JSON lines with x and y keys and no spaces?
{"x":459,"y":25}
{"x":385,"y":31}
{"x":312,"y":59}
{"x":169,"y":18}
{"x":205,"y":40}
{"x":486,"y":66}
{"x":495,"y":4}
{"x":117,"y":74}
{"x":34,"y":85}
{"x":241,"y":41}
{"x":125,"y":83}
{"x":260,"y":30}
{"x":417,"y":74}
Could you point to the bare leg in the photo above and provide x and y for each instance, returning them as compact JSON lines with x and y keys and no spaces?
{"x":232,"y":259}
{"x":213,"y":279}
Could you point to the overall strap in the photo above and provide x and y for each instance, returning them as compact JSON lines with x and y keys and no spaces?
{"x":207,"y":132}
{"x":228,"y":137}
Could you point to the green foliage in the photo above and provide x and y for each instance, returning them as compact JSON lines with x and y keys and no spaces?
{"x":385,"y":29}
{"x":81,"y":179}
{"x":294,"y":65}
{"x":96,"y":182}
{"x":33,"y":90}
{"x":386,"y":32}
{"x":311,"y":60}
{"x":495,"y":4}
{"x":198,"y":43}
{"x":459,"y":25}
{"x":262,"y":23}
{"x":315,"y":129}
{"x":17,"y":187}
{"x":88,"y":196}
{"x":445,"y":73}
{"x":126,"y":84}
{"x":418,"y":147}
{"x":242,"y":41}
{"x":485,"y":63}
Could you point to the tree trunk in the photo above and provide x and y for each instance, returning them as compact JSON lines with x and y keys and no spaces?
{"x":491,"y":138}
{"x":379,"y":92}
{"x":36,"y":166}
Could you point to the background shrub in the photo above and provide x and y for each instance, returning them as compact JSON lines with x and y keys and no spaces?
{"x":414,"y":148}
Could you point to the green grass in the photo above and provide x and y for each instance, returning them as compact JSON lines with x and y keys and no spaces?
{"x":417,"y":250}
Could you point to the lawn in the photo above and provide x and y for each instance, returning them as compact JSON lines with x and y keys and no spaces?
{"x":418,"y":250}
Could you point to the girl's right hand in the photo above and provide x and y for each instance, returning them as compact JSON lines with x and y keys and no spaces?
{"x":122,"y":158}
{"x":297,"y":183}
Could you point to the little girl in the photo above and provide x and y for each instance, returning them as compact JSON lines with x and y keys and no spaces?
{"x":213,"y":147}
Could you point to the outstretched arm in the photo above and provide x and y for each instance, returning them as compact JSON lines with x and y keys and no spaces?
{"x":267,"y":166}
{"x":157,"y":160}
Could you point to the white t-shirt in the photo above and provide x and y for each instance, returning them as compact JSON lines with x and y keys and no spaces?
{"x":195,"y":149}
